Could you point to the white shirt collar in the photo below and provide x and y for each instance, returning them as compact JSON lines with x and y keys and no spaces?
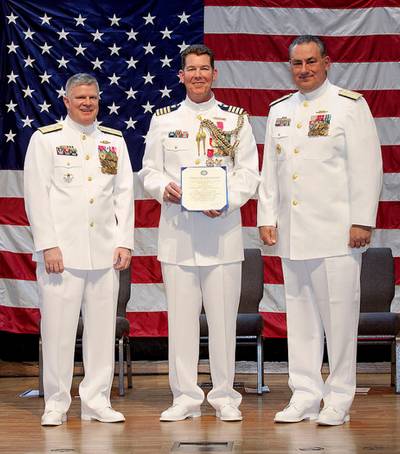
{"x":315,"y":93}
{"x":80,"y":128}
{"x":200,"y":106}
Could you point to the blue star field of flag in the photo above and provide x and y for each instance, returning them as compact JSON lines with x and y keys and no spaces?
{"x":132,"y":48}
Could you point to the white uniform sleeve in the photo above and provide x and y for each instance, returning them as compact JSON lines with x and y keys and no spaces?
{"x":152,"y":173}
{"x":38,"y":169}
{"x":268,"y":193}
{"x":124,"y":200}
{"x":243,"y":182}
{"x":364,"y":164}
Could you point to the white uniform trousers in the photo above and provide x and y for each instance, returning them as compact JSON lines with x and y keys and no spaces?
{"x":322,"y":295}
{"x":218,"y":287}
{"x":62,"y":298}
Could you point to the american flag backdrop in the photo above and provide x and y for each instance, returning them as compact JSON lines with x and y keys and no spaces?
{"x":133,"y":50}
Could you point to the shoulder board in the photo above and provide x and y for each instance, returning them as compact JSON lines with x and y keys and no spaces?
{"x":167,"y":109}
{"x":277,"y":101}
{"x":233,"y":109}
{"x":350,"y":94}
{"x":111,"y":131}
{"x":51,"y":128}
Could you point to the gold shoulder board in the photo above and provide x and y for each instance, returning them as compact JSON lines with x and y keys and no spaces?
{"x":233,"y":109}
{"x":111,"y":131}
{"x":167,"y":109}
{"x":350,"y":94}
{"x":277,"y":101}
{"x":51,"y":128}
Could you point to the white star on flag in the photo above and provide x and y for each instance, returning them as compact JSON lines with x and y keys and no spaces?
{"x":61,"y":92}
{"x":12,"y":48}
{"x":28,"y":92}
{"x":166,"y":61}
{"x":45,"y":19}
{"x":97,"y":63}
{"x":27,"y":122}
{"x":148,"y":78}
{"x":166,"y":33}
{"x":80,"y":50}
{"x":114,"y":20}
{"x":165,"y":92}
{"x":45,"y":48}
{"x":44,"y":106}
{"x":131,"y":93}
{"x":149,"y":19}
{"x":45,"y":77}
{"x":29,"y":34}
{"x":12,"y":77}
{"x":29,"y":61}
{"x":131,"y":63}
{"x":131,"y":34}
{"x":148,"y":107}
{"x":113,"y":108}
{"x":62,"y":34}
{"x":183,"y":17}
{"x":80,"y":20}
{"x":12,"y":18}
{"x":149,"y":49}
{"x":114,"y":79}
{"x":130,"y":123}
{"x":114,"y":49}
{"x":182,"y":46}
{"x":62,"y":62}
{"x":11,"y":106}
{"x":97,"y":36}
{"x":10,"y":136}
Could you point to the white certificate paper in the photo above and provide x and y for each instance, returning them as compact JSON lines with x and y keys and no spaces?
{"x":204,"y":188}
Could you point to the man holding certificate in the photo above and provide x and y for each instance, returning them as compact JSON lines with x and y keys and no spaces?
{"x":201,"y":164}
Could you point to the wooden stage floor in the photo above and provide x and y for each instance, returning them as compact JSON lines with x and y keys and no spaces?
{"x":374,"y":426}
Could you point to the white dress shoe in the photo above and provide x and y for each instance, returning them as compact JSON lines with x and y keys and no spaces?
{"x":53,"y":418}
{"x":106,"y":414}
{"x":179,"y":412}
{"x":296,"y":413}
{"x":229,"y":413}
{"x":331,"y":416}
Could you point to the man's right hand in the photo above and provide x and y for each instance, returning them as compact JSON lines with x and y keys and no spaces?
{"x":172,"y":193}
{"x":53,"y":260}
{"x":268,"y":234}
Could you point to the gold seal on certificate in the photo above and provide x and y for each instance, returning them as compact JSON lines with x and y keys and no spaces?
{"x":204,"y":188}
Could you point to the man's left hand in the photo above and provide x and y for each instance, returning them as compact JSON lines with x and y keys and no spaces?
{"x":122,"y":258}
{"x":360,"y":236}
{"x":212,"y":213}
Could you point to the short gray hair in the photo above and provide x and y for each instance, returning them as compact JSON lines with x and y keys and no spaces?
{"x":81,"y":79}
{"x":305,"y":39}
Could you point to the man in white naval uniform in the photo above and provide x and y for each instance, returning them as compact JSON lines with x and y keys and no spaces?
{"x":200,"y":252}
{"x":318,"y":200}
{"x":79,"y":200}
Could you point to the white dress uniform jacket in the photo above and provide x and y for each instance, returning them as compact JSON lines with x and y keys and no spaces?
{"x":191,"y":238}
{"x":314,"y":187}
{"x":70,"y":202}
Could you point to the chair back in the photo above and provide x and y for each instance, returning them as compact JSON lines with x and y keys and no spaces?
{"x":124,"y":292}
{"x":252,"y":281}
{"x":377,"y":280}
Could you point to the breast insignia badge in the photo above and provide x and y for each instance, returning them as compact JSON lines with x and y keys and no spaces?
{"x":108,"y":159}
{"x":319,"y":125}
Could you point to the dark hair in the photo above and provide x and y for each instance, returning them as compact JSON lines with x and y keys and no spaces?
{"x":197,"y":49}
{"x":305,"y":39}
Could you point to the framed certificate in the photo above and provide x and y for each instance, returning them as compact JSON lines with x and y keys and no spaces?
{"x":204,"y":188}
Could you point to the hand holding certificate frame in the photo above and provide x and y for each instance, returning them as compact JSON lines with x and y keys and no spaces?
{"x":204,"y":188}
